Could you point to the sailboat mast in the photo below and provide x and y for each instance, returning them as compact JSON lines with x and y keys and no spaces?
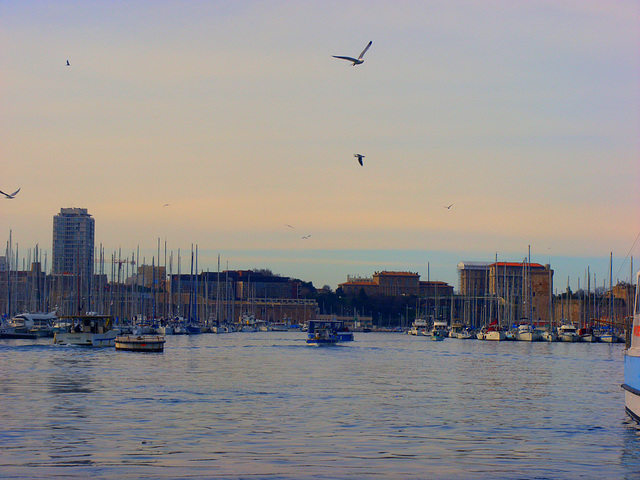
{"x":218,"y":293}
{"x":611,"y":288}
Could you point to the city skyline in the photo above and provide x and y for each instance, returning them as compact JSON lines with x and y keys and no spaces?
{"x":596,"y":275}
{"x":231,"y":126}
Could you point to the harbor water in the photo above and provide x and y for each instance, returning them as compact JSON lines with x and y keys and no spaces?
{"x":266,"y":405}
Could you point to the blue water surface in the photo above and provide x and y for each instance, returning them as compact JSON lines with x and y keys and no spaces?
{"x":266,"y":405}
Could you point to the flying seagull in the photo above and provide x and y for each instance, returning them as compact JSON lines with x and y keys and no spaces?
{"x":166,"y":205}
{"x":287,"y":225}
{"x":305,"y":237}
{"x":359,"y":157}
{"x":448,"y":206}
{"x":68,"y":64}
{"x":10,"y":196}
{"x":359,"y":60}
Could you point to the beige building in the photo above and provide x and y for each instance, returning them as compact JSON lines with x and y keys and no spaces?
{"x":522,"y":290}
{"x":395,"y":283}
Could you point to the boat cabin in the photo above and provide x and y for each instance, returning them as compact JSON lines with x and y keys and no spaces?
{"x":90,"y":323}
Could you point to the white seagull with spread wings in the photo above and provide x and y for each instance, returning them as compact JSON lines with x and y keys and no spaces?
{"x":359,"y":60}
{"x":10,"y":196}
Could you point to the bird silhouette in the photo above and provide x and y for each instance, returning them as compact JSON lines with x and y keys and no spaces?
{"x":68,"y":64}
{"x":305,"y":237}
{"x":356,"y":61}
{"x":448,"y":206}
{"x":359,"y":157}
{"x":287,"y":225}
{"x":166,"y":205}
{"x":10,"y":196}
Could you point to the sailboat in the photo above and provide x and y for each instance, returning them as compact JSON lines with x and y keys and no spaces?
{"x":549,"y":334}
{"x":526,"y":332}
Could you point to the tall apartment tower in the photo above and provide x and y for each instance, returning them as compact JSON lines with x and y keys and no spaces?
{"x":73,"y":238}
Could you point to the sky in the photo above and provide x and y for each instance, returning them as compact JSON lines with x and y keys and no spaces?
{"x":524,"y":116}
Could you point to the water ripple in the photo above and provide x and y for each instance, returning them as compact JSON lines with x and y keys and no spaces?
{"x":268,"y":406}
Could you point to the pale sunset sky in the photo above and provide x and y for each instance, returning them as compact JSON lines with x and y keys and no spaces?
{"x":524,"y":115}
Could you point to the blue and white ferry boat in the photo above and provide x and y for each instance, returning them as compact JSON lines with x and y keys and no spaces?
{"x":328,"y":332}
{"x":632,"y":361}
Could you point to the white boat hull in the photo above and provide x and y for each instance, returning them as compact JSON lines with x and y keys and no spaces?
{"x":464,"y":335}
{"x":563,"y":337}
{"x":609,"y":339}
{"x":528,"y":337}
{"x":106,"y":339}
{"x":495,"y":336}
{"x":632,"y":382}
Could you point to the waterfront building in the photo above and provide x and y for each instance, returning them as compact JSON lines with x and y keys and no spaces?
{"x":520,"y":289}
{"x":355,"y":284}
{"x":524,"y":290}
{"x":472,"y":278}
{"x":149,"y":276}
{"x":395,"y":283}
{"x":435,"y":288}
{"x":72,"y":257}
{"x":229,"y":294}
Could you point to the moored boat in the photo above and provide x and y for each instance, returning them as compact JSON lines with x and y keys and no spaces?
{"x":458,"y":330}
{"x":549,"y":336}
{"x":140,"y":343}
{"x":455,"y":329}
{"x":568,"y":333}
{"x":279,"y":327}
{"x":193,"y":328}
{"x":418,"y":327}
{"x":526,"y":333}
{"x":631,"y":383}
{"x":608,"y":336}
{"x":492,"y":332}
{"x":29,"y":326}
{"x":587,"y":335}
{"x":88,"y":330}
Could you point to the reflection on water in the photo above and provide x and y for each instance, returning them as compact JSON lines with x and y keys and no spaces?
{"x":266,"y":405}
{"x":630,"y":454}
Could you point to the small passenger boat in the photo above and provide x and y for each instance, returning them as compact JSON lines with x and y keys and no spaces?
{"x":140,"y":343}
{"x":89,"y":330}
{"x":440,"y":330}
{"x":327,"y":332}
{"x":322,"y":336}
